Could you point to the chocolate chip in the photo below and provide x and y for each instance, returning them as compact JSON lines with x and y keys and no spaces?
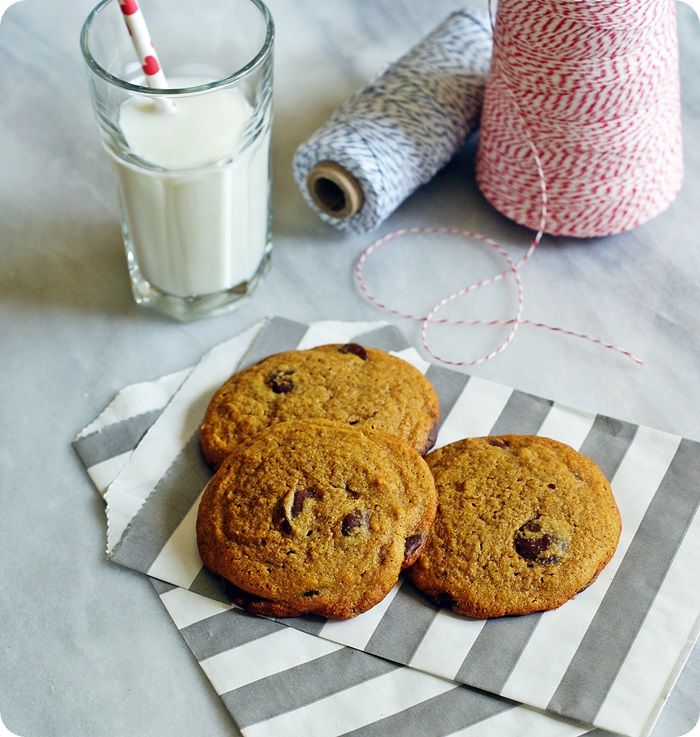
{"x":300,"y":497}
{"x":499,"y":443}
{"x":413,"y":542}
{"x":445,"y":600}
{"x":551,"y":486}
{"x":355,"y":349}
{"x":311,"y":592}
{"x":545,"y":549}
{"x":280,"y":382}
{"x":354,"y":521}
{"x":531,"y":548}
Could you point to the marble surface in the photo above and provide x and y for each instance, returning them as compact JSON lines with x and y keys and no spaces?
{"x":85,"y":646}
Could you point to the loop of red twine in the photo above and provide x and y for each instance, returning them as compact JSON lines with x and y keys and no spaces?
{"x":431,"y":317}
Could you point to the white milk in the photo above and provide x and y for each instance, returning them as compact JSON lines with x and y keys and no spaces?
{"x":197,"y":232}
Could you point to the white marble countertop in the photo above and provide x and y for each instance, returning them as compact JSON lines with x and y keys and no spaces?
{"x":85,"y":646}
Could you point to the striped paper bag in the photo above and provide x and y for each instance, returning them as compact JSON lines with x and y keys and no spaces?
{"x":608,"y":658}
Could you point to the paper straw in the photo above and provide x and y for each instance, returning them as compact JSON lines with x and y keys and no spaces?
{"x":143,"y":45}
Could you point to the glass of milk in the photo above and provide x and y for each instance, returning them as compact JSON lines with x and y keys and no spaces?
{"x":192,"y":160}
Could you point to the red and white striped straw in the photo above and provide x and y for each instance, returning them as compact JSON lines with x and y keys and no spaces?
{"x":143,"y":45}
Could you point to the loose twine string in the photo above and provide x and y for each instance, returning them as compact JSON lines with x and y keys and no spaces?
{"x":629,"y":118}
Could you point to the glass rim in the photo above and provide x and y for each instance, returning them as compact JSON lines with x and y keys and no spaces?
{"x":98,"y":69}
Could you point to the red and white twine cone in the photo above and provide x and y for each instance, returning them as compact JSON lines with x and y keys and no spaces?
{"x":580,"y":135}
{"x":143,"y":45}
{"x":595,"y":85}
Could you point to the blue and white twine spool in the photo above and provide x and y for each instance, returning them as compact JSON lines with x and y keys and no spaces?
{"x":399,"y":131}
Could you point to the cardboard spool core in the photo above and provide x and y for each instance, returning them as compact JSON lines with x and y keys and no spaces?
{"x":335,"y":190}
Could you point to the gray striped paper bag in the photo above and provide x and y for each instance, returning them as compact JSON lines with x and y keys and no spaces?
{"x":608,"y":658}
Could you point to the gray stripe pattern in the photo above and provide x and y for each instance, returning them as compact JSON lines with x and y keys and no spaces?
{"x":278,"y":336}
{"x":302,"y":685}
{"x":309,"y":623}
{"x":607,"y":443}
{"x":621,"y":614}
{"x":439,"y":716}
{"x":523,"y":414}
{"x":161,"y":587}
{"x":500,"y":644}
{"x":226,"y":630}
{"x":209,"y":585}
{"x":114,"y":439}
{"x":448,"y":385}
{"x":164,"y":509}
{"x":403,"y":625}
{"x":386,"y":338}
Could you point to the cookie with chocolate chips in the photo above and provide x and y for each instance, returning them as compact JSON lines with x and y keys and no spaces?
{"x":315,"y":516}
{"x":524,"y":523}
{"x":362,"y":387}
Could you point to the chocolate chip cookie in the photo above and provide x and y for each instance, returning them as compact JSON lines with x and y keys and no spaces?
{"x":524,"y":523}
{"x":315,"y":516}
{"x":361,"y":387}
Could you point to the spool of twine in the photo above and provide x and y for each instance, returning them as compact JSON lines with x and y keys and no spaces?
{"x":594,"y":85}
{"x":400,"y":130}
